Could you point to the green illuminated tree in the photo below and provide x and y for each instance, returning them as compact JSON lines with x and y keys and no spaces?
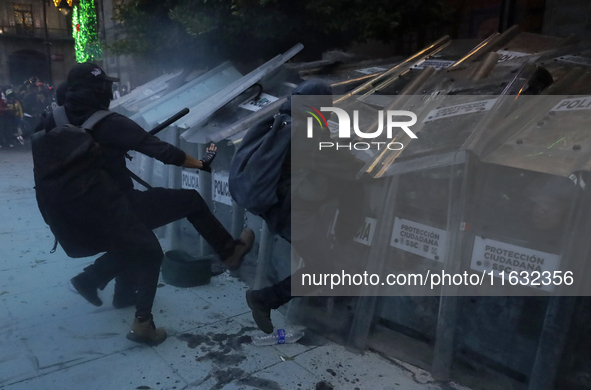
{"x":84,"y":23}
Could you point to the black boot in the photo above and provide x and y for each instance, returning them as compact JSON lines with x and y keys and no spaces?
{"x":87,"y":286}
{"x":261,"y":311}
{"x":262,"y":301}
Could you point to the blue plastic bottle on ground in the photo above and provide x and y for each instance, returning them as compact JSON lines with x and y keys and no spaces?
{"x":279,"y":336}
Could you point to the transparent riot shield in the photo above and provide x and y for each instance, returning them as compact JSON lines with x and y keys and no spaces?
{"x":134,"y":100}
{"x":349,"y":75}
{"x":192,"y":93}
{"x":256,"y":103}
{"x":447,"y":117}
{"x":410,"y":233}
{"x":439,"y":61}
{"x":377,"y":83}
{"x":404,"y":232}
{"x":564,"y":58}
{"x":521,"y":217}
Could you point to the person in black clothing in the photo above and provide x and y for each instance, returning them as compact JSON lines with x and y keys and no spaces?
{"x":289,"y":192}
{"x":60,"y":93}
{"x":122,"y":225}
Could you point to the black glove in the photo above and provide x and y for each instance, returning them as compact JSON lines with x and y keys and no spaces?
{"x":207,"y":160}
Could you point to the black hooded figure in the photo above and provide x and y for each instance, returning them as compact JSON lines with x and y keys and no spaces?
{"x":60,"y":93}
{"x":278,"y":174}
{"x":111,"y":216}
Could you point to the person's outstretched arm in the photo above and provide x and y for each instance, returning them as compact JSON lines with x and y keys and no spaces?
{"x":204,"y":163}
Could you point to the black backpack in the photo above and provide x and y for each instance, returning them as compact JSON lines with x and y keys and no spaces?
{"x":70,"y":182}
{"x":257,"y":177}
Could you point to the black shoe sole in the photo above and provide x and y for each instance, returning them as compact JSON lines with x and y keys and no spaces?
{"x":89,"y":294}
{"x":263,"y":322}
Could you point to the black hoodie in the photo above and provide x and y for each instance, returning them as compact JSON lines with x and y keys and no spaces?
{"x":116,"y":135}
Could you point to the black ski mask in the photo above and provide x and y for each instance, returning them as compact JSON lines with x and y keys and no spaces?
{"x":104,"y":95}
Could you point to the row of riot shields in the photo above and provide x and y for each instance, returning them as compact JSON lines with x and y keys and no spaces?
{"x":495,"y":187}
{"x":223,"y":104}
{"x":495,"y":181}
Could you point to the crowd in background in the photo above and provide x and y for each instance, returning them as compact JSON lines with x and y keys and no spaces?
{"x":21,"y":107}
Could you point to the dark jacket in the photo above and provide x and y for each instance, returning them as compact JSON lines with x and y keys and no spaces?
{"x":283,"y":189}
{"x":90,"y":213}
{"x":116,"y":136}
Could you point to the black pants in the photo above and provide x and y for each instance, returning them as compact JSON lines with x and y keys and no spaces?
{"x":315,"y":247}
{"x":136,"y":253}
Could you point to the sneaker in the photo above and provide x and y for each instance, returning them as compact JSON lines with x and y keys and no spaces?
{"x":242,"y":247}
{"x":146,"y":333}
{"x":84,"y":286}
{"x":261,"y":313}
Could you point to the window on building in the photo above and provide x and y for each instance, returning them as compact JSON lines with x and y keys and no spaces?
{"x":23,"y":18}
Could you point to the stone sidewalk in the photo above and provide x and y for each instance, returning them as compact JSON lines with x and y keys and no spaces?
{"x":51,"y":338}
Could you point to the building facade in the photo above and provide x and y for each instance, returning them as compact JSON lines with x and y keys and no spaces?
{"x":132,"y":72}
{"x":35,"y":41}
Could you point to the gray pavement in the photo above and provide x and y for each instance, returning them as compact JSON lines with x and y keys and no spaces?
{"x":51,"y":338}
